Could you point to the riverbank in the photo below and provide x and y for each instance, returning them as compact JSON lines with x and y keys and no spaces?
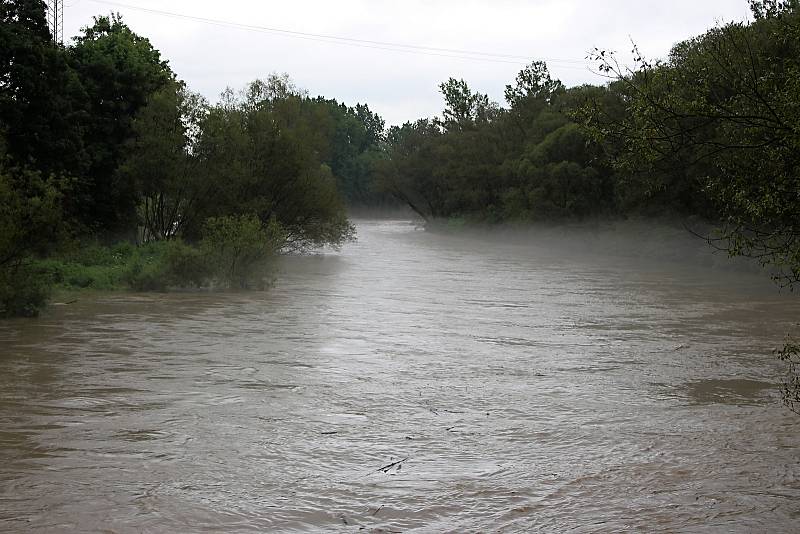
{"x":237,"y":252}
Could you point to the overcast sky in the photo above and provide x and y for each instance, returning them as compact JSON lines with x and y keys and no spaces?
{"x":400,"y":85}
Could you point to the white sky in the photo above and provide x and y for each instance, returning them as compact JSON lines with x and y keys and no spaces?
{"x":401,"y":86}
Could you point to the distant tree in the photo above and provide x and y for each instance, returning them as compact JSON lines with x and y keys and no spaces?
{"x":558,"y":178}
{"x":463,"y":107}
{"x":355,"y":142}
{"x":487,"y":164}
{"x":274,"y":88}
{"x":408,"y":171}
{"x":374,"y":125}
{"x":533,"y":83}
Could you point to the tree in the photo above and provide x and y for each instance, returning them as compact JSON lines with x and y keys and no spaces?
{"x":41,"y":98}
{"x":161,"y":164}
{"x":558,"y":178}
{"x":355,"y":143}
{"x":533,"y":83}
{"x":463,"y":107}
{"x":240,"y":248}
{"x":487,"y":164}
{"x":408,"y":171}
{"x":721,"y":111}
{"x":265,"y":157}
{"x":119,"y":71}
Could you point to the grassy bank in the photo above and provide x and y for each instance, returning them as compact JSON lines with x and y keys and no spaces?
{"x":235,"y":252}
{"x":118,"y":267}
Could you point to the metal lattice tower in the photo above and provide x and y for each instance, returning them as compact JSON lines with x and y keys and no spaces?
{"x":55,"y":19}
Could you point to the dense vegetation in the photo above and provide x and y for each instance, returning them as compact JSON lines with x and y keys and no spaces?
{"x":125,"y":178}
{"x":103,"y":147}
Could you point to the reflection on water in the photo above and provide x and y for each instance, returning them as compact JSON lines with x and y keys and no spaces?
{"x":412,"y":381}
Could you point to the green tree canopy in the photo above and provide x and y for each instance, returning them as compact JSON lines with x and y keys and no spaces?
{"x":41,"y":98}
{"x":119,"y":71}
{"x":265,"y":158}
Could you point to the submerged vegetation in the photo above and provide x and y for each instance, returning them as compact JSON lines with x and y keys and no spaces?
{"x":234,"y":252}
{"x":125,"y":178}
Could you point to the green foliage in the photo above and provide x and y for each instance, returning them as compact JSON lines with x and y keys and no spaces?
{"x":24,"y":290}
{"x":98,"y":267}
{"x":718,"y":124}
{"x":264,"y":153}
{"x":464,"y":107}
{"x":235,"y":252}
{"x":355,"y":140}
{"x":119,"y":71}
{"x":31,"y":215}
{"x":407,"y":172}
{"x":161,"y":265}
{"x":42,"y":126}
{"x":151,"y":267}
{"x":241,"y":249}
{"x":765,"y":9}
{"x":533,"y":84}
{"x":484,"y":163}
{"x":159,"y":163}
{"x":30,"y":221}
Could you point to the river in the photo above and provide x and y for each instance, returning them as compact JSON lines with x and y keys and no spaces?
{"x":412,"y":381}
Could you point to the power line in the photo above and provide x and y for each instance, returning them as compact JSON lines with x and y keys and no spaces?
{"x":361,"y":43}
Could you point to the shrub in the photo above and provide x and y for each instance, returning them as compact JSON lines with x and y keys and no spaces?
{"x":160,"y":265}
{"x":24,"y":290}
{"x":30,"y":223}
{"x":240,"y":249}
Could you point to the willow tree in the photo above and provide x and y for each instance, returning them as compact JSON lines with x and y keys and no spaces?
{"x":262,"y":152}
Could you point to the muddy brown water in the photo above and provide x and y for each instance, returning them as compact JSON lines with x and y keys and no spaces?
{"x":506,"y":387}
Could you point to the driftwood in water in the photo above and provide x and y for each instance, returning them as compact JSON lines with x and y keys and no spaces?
{"x":386,"y":467}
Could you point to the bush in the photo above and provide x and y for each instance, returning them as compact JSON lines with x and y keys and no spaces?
{"x":240,"y":249}
{"x":30,"y":222}
{"x":24,"y":291}
{"x":160,"y":265}
{"x":235,"y":252}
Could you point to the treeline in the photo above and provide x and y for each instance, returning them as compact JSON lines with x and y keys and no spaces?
{"x":708,"y":132}
{"x":533,"y":160}
{"x":100,"y":142}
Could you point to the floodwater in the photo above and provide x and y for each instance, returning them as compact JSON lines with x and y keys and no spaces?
{"x":413,"y":381}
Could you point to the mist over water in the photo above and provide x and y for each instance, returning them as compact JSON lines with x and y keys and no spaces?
{"x":561,"y":379}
